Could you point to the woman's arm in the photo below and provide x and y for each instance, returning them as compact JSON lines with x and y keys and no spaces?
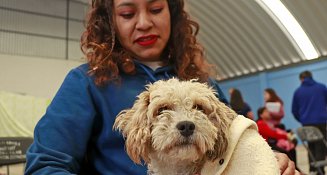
{"x":62,"y":134}
{"x":250,"y":115}
{"x":220,"y":95}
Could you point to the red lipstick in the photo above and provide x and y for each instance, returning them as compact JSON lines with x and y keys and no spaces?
{"x":146,"y":40}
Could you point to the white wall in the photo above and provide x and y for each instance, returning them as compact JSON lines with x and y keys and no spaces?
{"x":40,"y":77}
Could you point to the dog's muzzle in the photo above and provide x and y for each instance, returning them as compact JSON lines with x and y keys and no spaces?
{"x":185,"y":128}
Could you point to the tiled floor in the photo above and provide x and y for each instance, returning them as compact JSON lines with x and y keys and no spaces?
{"x":302,"y":160}
{"x":13,"y":169}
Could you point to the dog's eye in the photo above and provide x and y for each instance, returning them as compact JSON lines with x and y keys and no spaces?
{"x":198,"y":107}
{"x":162,"y":108}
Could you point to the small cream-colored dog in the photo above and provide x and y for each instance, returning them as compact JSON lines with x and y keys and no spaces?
{"x":181,"y":128}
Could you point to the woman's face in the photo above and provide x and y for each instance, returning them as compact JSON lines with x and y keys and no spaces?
{"x":266,"y":96}
{"x":142,"y":27}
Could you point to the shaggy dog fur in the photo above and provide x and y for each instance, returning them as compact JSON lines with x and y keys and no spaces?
{"x":176,"y":127}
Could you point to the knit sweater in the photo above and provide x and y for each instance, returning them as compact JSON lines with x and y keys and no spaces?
{"x":267,"y":132}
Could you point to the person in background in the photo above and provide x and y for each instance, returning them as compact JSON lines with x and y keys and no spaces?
{"x":309,"y":107}
{"x":275,"y":106}
{"x":277,"y":138}
{"x":128,"y":44}
{"x":239,"y":105}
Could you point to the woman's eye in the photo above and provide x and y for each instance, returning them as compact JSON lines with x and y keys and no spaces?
{"x":156,"y":10}
{"x":127,"y":15}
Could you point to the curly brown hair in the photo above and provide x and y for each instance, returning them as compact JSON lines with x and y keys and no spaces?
{"x":273,"y":96}
{"x":106,"y":57}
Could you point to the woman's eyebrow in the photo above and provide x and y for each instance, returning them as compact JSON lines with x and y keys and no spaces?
{"x":133,"y":4}
{"x":151,"y":1}
{"x":125,"y":4}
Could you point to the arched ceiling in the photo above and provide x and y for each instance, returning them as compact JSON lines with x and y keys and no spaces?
{"x":241,"y":38}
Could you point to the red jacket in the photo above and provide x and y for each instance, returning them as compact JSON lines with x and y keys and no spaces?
{"x":267,"y":132}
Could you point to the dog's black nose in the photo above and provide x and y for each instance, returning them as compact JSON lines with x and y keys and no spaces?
{"x":186,"y":128}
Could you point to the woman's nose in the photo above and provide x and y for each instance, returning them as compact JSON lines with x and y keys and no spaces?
{"x":144,"y":22}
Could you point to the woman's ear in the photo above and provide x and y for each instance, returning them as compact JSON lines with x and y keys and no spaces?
{"x":221,"y":116}
{"x":135,"y":126}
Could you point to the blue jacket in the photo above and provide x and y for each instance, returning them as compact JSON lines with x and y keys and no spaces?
{"x":309,"y":104}
{"x":77,"y":127}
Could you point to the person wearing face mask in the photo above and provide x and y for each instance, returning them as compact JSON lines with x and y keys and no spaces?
{"x":127,"y":44}
{"x":275,"y":106}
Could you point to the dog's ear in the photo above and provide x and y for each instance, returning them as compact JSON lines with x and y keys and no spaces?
{"x":221,"y":116}
{"x":135,"y":127}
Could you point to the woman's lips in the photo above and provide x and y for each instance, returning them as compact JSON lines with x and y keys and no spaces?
{"x":146,"y":40}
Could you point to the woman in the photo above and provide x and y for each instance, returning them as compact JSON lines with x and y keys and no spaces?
{"x":278,"y":139}
{"x":238,"y":105}
{"x":128,"y":44}
{"x":275,"y":107}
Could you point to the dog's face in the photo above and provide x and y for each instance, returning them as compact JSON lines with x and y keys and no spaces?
{"x":176,"y":120}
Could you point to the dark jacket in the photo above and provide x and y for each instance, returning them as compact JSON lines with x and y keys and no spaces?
{"x":309,"y":104}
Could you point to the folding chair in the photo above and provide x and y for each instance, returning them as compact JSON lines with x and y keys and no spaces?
{"x":310,"y":134}
{"x":13,"y":150}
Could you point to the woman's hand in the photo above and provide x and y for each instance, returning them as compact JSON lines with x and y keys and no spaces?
{"x":286,"y":166}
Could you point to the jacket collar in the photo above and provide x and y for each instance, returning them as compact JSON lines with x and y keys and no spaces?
{"x":164,"y":71}
{"x":308,"y":82}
